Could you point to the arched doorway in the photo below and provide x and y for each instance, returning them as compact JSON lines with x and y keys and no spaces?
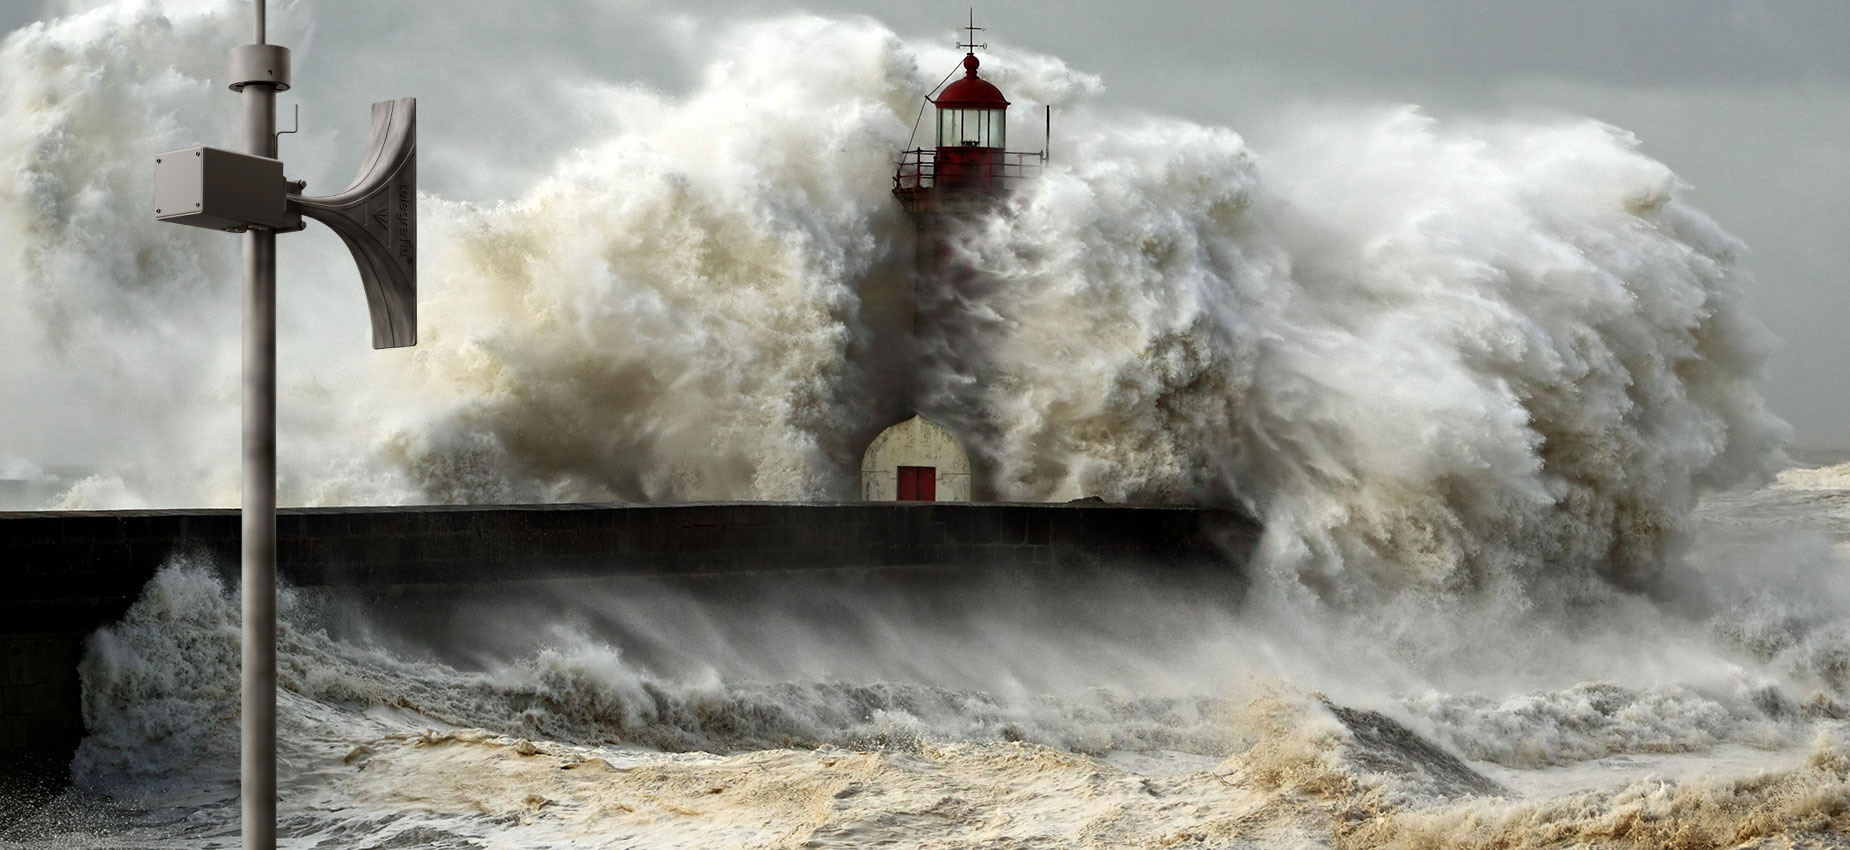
{"x":915,"y":461}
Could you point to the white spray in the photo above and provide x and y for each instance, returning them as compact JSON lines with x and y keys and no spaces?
{"x":1428,"y":356}
{"x":1462,"y":371}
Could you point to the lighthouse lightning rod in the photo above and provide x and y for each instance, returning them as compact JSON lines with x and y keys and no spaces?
{"x":377,"y":219}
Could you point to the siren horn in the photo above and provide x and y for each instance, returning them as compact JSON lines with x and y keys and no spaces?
{"x":377,"y":218}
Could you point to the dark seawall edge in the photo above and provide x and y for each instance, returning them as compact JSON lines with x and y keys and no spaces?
{"x":63,"y":574}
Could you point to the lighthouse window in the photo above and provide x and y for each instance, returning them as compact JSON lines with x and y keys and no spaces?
{"x":947,"y":127}
{"x":971,"y":127}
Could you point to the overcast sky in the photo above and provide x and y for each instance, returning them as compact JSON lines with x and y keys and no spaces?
{"x":1748,"y":101}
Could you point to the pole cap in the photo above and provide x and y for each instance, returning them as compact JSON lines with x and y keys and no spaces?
{"x":255,"y":64}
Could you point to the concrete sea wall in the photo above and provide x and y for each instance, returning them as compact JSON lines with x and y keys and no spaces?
{"x":63,"y":574}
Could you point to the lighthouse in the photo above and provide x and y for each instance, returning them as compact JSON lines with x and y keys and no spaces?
{"x":969,"y":166}
{"x":965,"y":172}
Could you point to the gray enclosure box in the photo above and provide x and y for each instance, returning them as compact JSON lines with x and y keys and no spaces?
{"x":224,"y":190}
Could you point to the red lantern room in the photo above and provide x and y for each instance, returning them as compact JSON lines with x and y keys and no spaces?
{"x":972,"y":131}
{"x":969,"y":159}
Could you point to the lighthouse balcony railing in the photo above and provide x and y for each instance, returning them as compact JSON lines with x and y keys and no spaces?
{"x":919,"y":169}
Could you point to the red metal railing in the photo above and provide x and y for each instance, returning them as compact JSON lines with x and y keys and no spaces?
{"x":918,"y":169}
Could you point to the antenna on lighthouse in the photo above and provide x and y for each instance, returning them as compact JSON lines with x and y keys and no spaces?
{"x":247,"y":193}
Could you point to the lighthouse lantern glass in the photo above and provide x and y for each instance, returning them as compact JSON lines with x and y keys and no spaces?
{"x":984,"y":128}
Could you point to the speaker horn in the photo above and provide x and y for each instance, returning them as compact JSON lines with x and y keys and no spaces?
{"x":377,"y":217}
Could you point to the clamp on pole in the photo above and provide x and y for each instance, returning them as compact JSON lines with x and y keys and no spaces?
{"x":260,"y":63}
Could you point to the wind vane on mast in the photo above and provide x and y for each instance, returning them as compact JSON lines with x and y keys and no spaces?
{"x":974,"y":29}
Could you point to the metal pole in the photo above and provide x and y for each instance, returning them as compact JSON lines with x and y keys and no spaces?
{"x":257,"y":758}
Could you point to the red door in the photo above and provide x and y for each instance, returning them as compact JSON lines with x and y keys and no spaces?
{"x":918,"y":484}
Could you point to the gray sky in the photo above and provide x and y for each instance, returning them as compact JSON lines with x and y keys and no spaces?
{"x":1748,"y":100}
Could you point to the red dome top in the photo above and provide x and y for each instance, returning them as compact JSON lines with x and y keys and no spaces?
{"x":971,"y":92}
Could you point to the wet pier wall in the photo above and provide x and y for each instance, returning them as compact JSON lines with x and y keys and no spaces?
{"x":63,"y":574}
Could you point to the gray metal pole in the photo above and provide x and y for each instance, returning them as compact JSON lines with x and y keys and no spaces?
{"x":204,"y":186}
{"x":257,"y":759}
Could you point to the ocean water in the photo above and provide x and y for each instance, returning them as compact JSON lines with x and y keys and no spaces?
{"x":1110,"y":712}
{"x":1532,"y":573}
